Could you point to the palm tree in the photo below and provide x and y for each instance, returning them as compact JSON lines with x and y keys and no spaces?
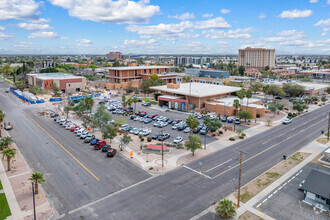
{"x":2,"y":118}
{"x":135,"y":100}
{"x":37,"y":178}
{"x":129,"y":102}
{"x":225,"y":208}
{"x":248,"y":95}
{"x":5,"y":142}
{"x":236,"y":105}
{"x":89,"y":102}
{"x":9,"y":153}
{"x":241,"y":94}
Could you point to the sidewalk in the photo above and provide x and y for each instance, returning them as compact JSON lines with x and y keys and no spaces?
{"x":18,"y":189}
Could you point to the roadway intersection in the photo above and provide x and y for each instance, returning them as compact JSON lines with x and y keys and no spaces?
{"x":124,"y":191}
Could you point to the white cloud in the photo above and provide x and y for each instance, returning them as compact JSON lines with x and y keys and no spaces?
{"x":323,"y":23}
{"x":4,"y":36}
{"x":231,"y":34}
{"x":326,"y":29}
{"x":313,"y":1}
{"x":324,"y":34}
{"x":64,"y":38}
{"x":43,"y":34}
{"x":110,"y":11}
{"x":2,"y":28}
{"x":222,"y":43}
{"x":296,"y":14}
{"x":184,"y":16}
{"x":22,"y":44}
{"x":262,"y":16}
{"x":328,"y":2}
{"x":217,"y":22}
{"x":137,"y":43}
{"x":33,"y":26}
{"x":224,"y":11}
{"x":207,"y":15}
{"x":84,"y":42}
{"x":19,"y":9}
{"x":292,"y":32}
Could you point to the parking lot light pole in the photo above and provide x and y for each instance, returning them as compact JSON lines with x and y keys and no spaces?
{"x":205,"y":141}
{"x":162,"y":149}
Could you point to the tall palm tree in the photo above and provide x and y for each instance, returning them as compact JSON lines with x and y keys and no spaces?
{"x":9,"y":153}
{"x":37,"y":178}
{"x":248,"y":95}
{"x":89,"y":102}
{"x":5,"y":142}
{"x":135,"y":100}
{"x":236,"y":105}
{"x":226,"y":208}
{"x":241,"y":94}
{"x":129,"y":102}
{"x":2,"y":118}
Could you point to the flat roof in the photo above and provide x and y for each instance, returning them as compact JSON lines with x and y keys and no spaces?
{"x":56,"y":76}
{"x":137,"y":67}
{"x":170,"y":97}
{"x":198,"y":89}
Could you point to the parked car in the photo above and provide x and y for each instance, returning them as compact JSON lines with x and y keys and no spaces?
{"x":187,"y":130}
{"x":278,"y":97}
{"x":230,"y":120}
{"x":224,"y":119}
{"x":105,"y":148}
{"x":94,"y":141}
{"x":178,"y":140}
{"x":170,"y":121}
{"x":164,"y":136}
{"x":84,"y":135}
{"x":132,"y":117}
{"x":53,"y":115}
{"x":89,"y":138}
{"x":196,"y":130}
{"x":203,"y":131}
{"x":237,"y":120}
{"x":301,"y":185}
{"x":156,"y":124}
{"x":155,"y":136}
{"x":175,"y":126}
{"x":146,"y":104}
{"x":74,"y":128}
{"x":111,"y":152}
{"x":153,"y":115}
{"x":286,"y":121}
{"x":99,"y":145}
{"x":147,"y":120}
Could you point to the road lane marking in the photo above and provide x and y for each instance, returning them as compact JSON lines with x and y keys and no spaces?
{"x":261,"y":152}
{"x":63,"y":148}
{"x":218,"y":165}
{"x":196,"y":171}
{"x":270,"y":196}
{"x":264,"y":200}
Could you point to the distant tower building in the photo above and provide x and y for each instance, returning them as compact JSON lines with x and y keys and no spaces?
{"x":114,"y":55}
{"x":256,"y":58}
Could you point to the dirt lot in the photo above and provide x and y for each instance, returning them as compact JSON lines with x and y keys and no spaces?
{"x":249,"y":216}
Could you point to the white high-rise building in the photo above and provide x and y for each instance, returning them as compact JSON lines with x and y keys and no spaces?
{"x":256,"y":57}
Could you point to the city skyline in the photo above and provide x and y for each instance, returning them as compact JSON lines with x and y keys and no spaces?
{"x":156,"y":27}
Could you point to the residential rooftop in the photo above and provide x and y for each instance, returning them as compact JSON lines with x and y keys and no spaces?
{"x":198,"y":89}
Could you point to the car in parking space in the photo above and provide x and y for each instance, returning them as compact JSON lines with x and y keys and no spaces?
{"x":286,"y":121}
{"x":145,"y":132}
{"x":132,"y":117}
{"x":80,"y":132}
{"x":143,"y":114}
{"x":212,"y":118}
{"x":99,"y":145}
{"x":155,"y":118}
{"x":187,"y":130}
{"x":224,"y":119}
{"x":156,"y":124}
{"x":196,"y":130}
{"x":301,"y":185}
{"x":137,"y":118}
{"x":182,"y":126}
{"x":177,"y":140}
{"x":175,"y":126}
{"x":153,"y":115}
{"x":89,"y":138}
{"x":136,"y":131}
{"x":74,"y":128}
{"x":105,"y":148}
{"x":176,"y":121}
{"x":146,"y":104}
{"x":78,"y":129}
{"x":132,"y":130}
{"x":94,"y":141}
{"x":84,"y":135}
{"x":278,"y":98}
{"x":237,"y":121}
{"x":141,"y":119}
{"x":162,"y":124}
{"x":164,"y":137}
{"x":155,"y":136}
{"x":230,"y":120}
{"x":127,"y":129}
{"x":204,"y":131}
{"x":147,"y":120}
{"x":111,"y":152}
{"x":170,"y":121}
{"x":199,"y":117}
{"x":53,"y":115}
{"x":138,"y":113}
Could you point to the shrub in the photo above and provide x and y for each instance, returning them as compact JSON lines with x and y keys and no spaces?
{"x":142,"y":139}
{"x":324,"y":98}
{"x":243,"y":134}
{"x":258,"y":115}
{"x":225,"y":129}
{"x":232,"y":139}
{"x":220,"y":132}
{"x":320,"y":105}
{"x":213,"y":135}
{"x":179,"y":146}
{"x":249,"y":120}
{"x":294,"y":114}
{"x":149,"y":139}
{"x":289,"y":114}
{"x":241,"y":137}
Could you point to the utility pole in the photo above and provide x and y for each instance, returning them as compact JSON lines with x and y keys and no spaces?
{"x":205,"y":142}
{"x":328,"y":134}
{"x":34,"y":203}
{"x":162,"y":149}
{"x":239,"y":176}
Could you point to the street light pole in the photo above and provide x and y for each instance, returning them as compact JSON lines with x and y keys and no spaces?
{"x":205,"y":142}
{"x":34,"y":204}
{"x":239,"y":177}
{"x":162,"y":149}
{"x":328,"y":134}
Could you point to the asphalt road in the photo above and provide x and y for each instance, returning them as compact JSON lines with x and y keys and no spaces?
{"x":179,"y":194}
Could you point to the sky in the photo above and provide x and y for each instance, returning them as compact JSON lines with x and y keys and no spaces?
{"x":163,"y":26}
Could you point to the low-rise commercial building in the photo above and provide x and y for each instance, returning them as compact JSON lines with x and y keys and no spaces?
{"x":67,"y":83}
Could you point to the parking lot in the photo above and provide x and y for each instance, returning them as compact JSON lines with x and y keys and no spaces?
{"x":167,"y":129}
{"x":286,"y":203}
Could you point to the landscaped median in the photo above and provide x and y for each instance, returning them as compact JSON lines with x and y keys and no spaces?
{"x":145,"y":99}
{"x":4,"y":207}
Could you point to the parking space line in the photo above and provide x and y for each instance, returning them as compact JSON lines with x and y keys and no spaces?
{"x":63,"y":148}
{"x":197,"y":172}
{"x":270,"y":196}
{"x":264,"y":200}
{"x":218,"y":165}
{"x":284,"y":184}
{"x":279,"y":188}
{"x":275,"y":192}
{"x":258,"y":205}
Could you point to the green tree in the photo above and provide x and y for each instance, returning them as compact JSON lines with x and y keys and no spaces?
{"x":293,"y":89}
{"x":116,"y":63}
{"x":123,"y":99}
{"x":34,"y":90}
{"x":102,"y":115}
{"x":299,"y":106}
{"x":55,"y":89}
{"x":20,"y":85}
{"x":37,"y":178}
{"x":109,"y":131}
{"x":67,"y":109}
{"x":194,"y":143}
{"x":272,"y":107}
{"x":248,"y":95}
{"x":275,"y":90}
{"x":225,"y":208}
{"x":241,"y":94}
{"x":256,"y":86}
{"x":129,"y":102}
{"x":135,"y":100}
{"x":246,"y":114}
{"x":5,"y":142}
{"x":323,"y":98}
{"x":236,"y":105}
{"x":94,"y":123}
{"x":126,"y":139}
{"x":2,"y":118}
{"x":7,"y":70}
{"x":9,"y":153}
{"x":119,"y":121}
{"x":241,"y":70}
{"x":265,"y":89}
{"x":89,"y":102}
{"x":192,"y":123}
{"x":328,"y":90}
{"x":266,"y":68}
{"x":212,"y":125}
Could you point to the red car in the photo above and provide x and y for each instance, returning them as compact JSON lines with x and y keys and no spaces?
{"x":153,"y":115}
{"x":111,"y":152}
{"x":99,"y":145}
{"x":74,"y":128}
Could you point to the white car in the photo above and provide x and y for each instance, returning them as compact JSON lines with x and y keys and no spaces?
{"x":68,"y":126}
{"x":286,"y":121}
{"x":137,"y":118}
{"x":178,"y":140}
{"x":80,"y":132}
{"x":80,"y":129}
{"x":186,"y":130}
{"x":84,"y":135}
{"x":174,"y":127}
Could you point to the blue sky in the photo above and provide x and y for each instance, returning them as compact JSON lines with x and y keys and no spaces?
{"x":163,"y":26}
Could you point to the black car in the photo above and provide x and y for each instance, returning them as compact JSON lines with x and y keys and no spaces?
{"x":143,"y":114}
{"x":170,"y":121}
{"x":53,"y":115}
{"x":155,"y":136}
{"x":133,"y":116}
{"x":105,"y":148}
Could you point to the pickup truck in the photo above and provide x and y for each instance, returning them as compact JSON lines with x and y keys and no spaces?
{"x":8,"y":126}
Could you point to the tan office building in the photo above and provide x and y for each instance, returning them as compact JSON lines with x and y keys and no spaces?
{"x":256,"y":58}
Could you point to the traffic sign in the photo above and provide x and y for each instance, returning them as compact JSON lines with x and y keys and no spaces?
{"x":131,"y":154}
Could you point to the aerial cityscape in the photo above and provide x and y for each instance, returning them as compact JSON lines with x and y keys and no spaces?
{"x":144,"y":109}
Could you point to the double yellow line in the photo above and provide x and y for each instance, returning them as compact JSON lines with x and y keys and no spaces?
{"x":63,"y":148}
